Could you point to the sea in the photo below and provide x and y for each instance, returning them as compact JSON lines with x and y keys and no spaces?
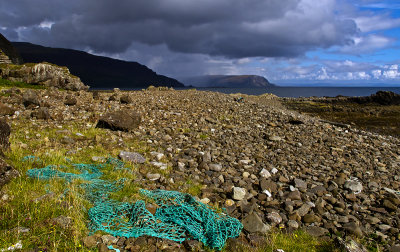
{"x":306,"y":91}
{"x":294,"y":92}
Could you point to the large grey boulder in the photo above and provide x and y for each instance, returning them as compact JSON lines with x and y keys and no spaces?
{"x":133,"y":157}
{"x":124,"y":120}
{"x":30,"y":97}
{"x":253,"y":224}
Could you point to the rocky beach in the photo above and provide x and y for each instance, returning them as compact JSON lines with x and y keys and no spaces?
{"x":270,"y":167}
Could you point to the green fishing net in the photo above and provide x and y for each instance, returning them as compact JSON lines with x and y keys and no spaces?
{"x":178,"y":216}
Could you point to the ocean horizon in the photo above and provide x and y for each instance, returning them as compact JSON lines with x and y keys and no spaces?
{"x":290,"y":91}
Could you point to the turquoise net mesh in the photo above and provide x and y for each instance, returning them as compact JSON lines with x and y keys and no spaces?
{"x":178,"y":216}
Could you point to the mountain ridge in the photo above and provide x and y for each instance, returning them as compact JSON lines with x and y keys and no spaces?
{"x":96,"y":71}
{"x":232,"y":81}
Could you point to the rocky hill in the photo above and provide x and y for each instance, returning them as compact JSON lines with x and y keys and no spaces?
{"x":44,"y":74}
{"x":96,"y":71}
{"x":8,"y":54}
{"x":233,"y":81}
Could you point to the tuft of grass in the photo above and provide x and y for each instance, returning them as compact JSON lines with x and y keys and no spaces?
{"x":9,"y":84}
{"x":297,"y":241}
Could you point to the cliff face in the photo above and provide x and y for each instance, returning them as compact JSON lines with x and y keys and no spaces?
{"x":8,"y":54}
{"x":233,"y":81}
{"x":97,"y":71}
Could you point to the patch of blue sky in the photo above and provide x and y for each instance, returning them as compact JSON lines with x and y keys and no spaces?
{"x":332,"y":54}
{"x":379,"y":5}
{"x":389,"y":55}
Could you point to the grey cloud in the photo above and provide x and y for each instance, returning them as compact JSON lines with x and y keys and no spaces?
{"x":233,"y":29}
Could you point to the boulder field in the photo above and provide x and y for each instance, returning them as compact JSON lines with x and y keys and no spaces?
{"x":268,"y":166}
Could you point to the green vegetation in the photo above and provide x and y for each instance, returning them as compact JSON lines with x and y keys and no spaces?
{"x":297,"y":241}
{"x":370,"y":117}
{"x":9,"y":84}
{"x":36,"y":204}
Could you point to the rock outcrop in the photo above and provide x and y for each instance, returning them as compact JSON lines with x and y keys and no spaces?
{"x":4,"y":59}
{"x":381,"y":97}
{"x":8,"y":53}
{"x":45,"y":74}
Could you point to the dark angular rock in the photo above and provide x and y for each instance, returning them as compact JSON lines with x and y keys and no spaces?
{"x":30,"y":97}
{"x":41,"y":113}
{"x":113,"y":97}
{"x":253,"y":223}
{"x":124,"y":120}
{"x":96,"y":95}
{"x":318,"y":190}
{"x":132,"y":157}
{"x":125,"y":99}
{"x":246,"y":207}
{"x":70,"y":100}
{"x":121,"y":241}
{"x":90,"y":241}
{"x":310,"y":218}
{"x":267,"y":184}
{"x":7,"y":173}
{"x":295,"y":195}
{"x":62,"y":221}
{"x":102,"y":247}
{"x":389,"y":205}
{"x":5,"y":131}
{"x":141,"y":241}
{"x":316,"y":231}
{"x":192,"y":245}
{"x":300,"y":184}
{"x":6,"y":110}
{"x":353,"y":228}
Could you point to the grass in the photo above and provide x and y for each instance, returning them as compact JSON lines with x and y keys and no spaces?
{"x":9,"y":84}
{"x":22,"y":210}
{"x":297,"y":241}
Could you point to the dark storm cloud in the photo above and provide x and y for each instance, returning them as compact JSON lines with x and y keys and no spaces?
{"x":234,"y":29}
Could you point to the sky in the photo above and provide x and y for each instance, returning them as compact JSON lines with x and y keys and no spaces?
{"x":290,"y":42}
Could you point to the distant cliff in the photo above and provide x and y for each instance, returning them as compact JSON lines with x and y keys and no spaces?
{"x":233,"y":81}
{"x":8,"y":54}
{"x":96,"y":71}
